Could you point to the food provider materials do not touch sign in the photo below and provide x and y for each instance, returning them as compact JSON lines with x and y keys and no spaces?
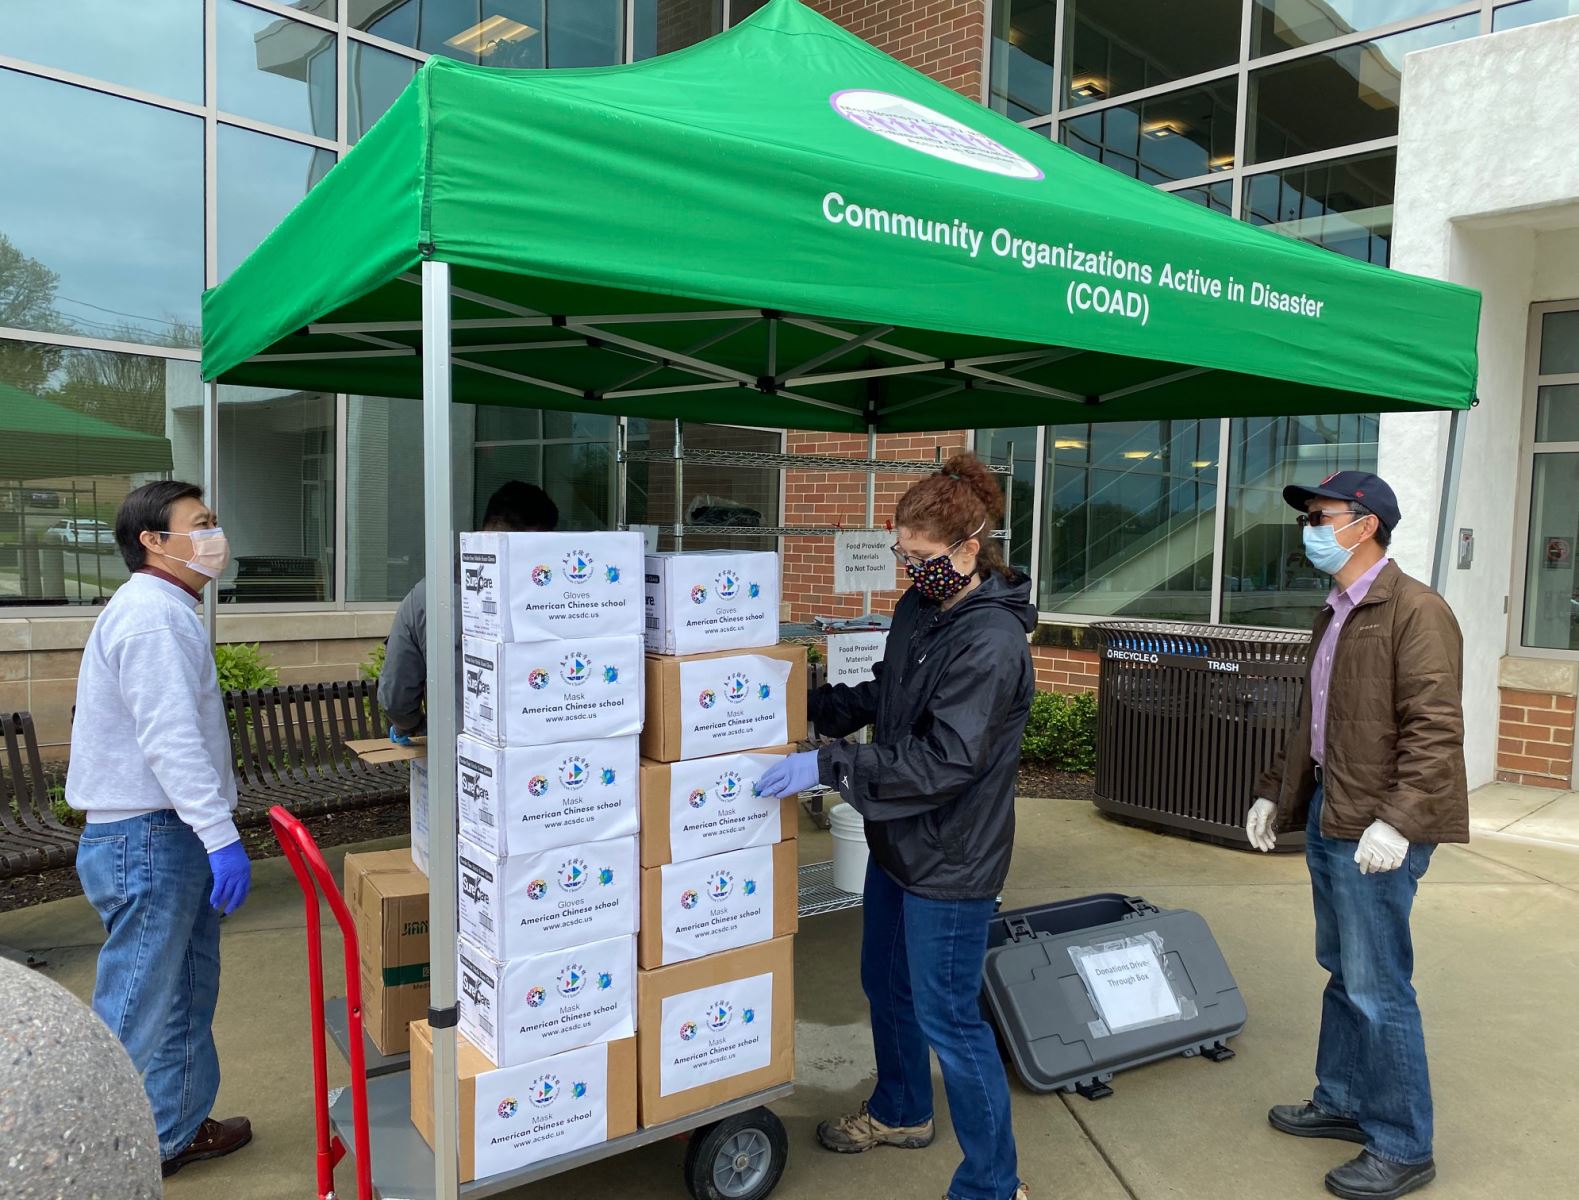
{"x":862,"y":560}
{"x":851,"y":656}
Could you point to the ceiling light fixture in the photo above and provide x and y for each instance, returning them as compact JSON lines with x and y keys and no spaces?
{"x":1068,"y":444}
{"x":1201,"y":464}
{"x":1089,"y":89}
{"x":1137,"y":454}
{"x":1222,"y":163}
{"x":1158,"y":130}
{"x":482,"y":37}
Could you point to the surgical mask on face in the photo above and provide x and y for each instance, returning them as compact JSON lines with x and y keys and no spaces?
{"x":1323,"y":550}
{"x":210,"y":551}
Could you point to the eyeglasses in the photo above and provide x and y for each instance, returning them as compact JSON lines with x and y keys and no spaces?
{"x":1322,"y":516}
{"x":911,"y":560}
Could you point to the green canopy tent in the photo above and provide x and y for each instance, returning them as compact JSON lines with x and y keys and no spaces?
{"x":41,"y":440}
{"x":782,"y":226}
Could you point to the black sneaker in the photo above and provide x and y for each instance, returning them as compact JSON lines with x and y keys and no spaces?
{"x":1370,"y":1178}
{"x":1306,"y":1120}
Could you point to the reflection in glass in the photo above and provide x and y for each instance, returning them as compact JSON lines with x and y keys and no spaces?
{"x":1176,"y":136}
{"x":1277,"y":25}
{"x":101,"y":214}
{"x":261,"y":178}
{"x":728,"y":497}
{"x":500,"y":33}
{"x":154,"y":45}
{"x":276,"y":70}
{"x":1266,"y":578}
{"x":569,"y":455}
{"x":383,"y":496}
{"x":1551,"y":574}
{"x":1219,"y":197}
{"x":663,"y":26}
{"x":1022,"y":57}
{"x":78,"y":430}
{"x":739,"y":10}
{"x":1345,"y":205}
{"x":1560,"y":343}
{"x":1531,"y":12}
{"x":996,"y":446}
{"x":1557,"y":413}
{"x":1127,"y":527}
{"x":377,"y":77}
{"x":276,"y":495}
{"x":1118,"y":46}
{"x":1338,"y":98}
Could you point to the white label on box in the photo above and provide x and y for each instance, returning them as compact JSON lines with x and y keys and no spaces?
{"x":542,"y":693}
{"x":734,"y":703}
{"x":1128,"y":986}
{"x":716,"y":1033}
{"x":527,"y":799}
{"x":419,"y":814}
{"x":863,"y":561}
{"x":852,"y":655}
{"x":531,"y":587}
{"x":539,"y":1005}
{"x":714,"y":806}
{"x":525,"y":1114}
{"x":715,"y":904}
{"x":533,"y":903}
{"x":712,"y":600}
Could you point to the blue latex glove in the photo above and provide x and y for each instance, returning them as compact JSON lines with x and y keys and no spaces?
{"x":232,"y":877}
{"x":398,"y":738}
{"x":791,"y":775}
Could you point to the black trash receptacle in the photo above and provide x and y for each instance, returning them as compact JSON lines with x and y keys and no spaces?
{"x":1189,"y":717}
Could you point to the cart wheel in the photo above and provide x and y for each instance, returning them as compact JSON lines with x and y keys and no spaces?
{"x":740,"y":1158}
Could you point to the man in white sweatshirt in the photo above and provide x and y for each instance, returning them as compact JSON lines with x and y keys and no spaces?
{"x":160,"y":858}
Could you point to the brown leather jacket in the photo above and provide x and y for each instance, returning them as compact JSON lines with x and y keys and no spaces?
{"x":1395,"y":722}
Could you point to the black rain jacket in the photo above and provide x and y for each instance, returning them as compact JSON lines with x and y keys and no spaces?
{"x":948,"y":706}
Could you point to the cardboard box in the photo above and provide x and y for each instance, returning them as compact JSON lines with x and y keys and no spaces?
{"x":705,"y":600}
{"x":707,"y":806}
{"x":715,"y":1029}
{"x":711,"y":905}
{"x":540,"y":693}
{"x":528,"y":1008}
{"x":388,"y":898}
{"x":534,"y":587}
{"x":534,"y":903}
{"x":700,"y":705}
{"x":525,"y":799}
{"x":514,"y":1116}
{"x":419,"y":814}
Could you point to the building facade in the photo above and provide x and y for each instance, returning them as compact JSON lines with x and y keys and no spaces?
{"x":161,"y":141}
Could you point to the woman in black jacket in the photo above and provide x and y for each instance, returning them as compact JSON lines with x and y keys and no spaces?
{"x":948,"y":706}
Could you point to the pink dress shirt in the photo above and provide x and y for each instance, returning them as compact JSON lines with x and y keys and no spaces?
{"x":1342,"y":604}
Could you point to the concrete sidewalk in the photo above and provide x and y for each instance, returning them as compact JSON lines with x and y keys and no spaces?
{"x":1497,"y":947}
{"x":1513,"y":812}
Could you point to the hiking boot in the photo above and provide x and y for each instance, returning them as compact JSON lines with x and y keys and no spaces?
{"x":214,"y":1139}
{"x":860,"y":1132}
{"x":1306,"y":1120}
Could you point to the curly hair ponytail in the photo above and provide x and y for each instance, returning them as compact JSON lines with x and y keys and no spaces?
{"x":960,"y":500}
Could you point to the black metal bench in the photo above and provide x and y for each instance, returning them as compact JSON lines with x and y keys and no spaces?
{"x":31,"y":837}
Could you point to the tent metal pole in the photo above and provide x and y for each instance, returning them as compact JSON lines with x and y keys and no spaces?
{"x":871,"y":502}
{"x":679,"y":485}
{"x":211,"y":491}
{"x":1446,"y":535}
{"x":439,"y":515}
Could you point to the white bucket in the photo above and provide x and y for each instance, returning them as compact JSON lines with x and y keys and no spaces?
{"x":849,"y":848}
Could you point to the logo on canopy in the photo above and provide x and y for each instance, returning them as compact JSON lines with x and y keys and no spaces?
{"x":929,"y":131}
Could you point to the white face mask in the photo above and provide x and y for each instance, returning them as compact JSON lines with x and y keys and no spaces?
{"x":210,"y":551}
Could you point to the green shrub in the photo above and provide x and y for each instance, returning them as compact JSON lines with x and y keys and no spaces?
{"x":242,"y":665}
{"x":1062,"y":732}
{"x":373,"y":665}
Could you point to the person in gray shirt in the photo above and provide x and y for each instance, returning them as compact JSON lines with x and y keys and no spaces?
{"x":403,"y":683}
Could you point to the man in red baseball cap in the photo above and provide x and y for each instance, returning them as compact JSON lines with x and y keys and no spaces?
{"x":1374,"y":774}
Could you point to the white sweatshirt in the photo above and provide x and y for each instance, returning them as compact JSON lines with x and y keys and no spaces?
{"x":150,"y":729}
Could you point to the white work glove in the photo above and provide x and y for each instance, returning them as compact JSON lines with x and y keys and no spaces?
{"x":1382,"y":848}
{"x":1258,"y":825}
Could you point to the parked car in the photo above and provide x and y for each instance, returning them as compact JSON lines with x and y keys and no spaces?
{"x":40,"y":498}
{"x":81,"y":534}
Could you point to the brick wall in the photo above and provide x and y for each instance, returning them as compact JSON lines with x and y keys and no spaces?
{"x":1061,"y":669}
{"x":1535,"y":739}
{"x":682,"y":23}
{"x":941,"y":37}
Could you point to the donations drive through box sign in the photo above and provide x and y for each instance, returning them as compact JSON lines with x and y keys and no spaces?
{"x":706,"y":806}
{"x":712,"y":600}
{"x":520,"y":800}
{"x":541,"y":693}
{"x":532,"y":903}
{"x":532,"y":587}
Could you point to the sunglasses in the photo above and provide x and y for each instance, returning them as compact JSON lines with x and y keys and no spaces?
{"x":1318,"y":518}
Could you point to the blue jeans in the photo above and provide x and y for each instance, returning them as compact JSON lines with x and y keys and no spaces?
{"x":921,"y":965}
{"x":1370,"y":1060}
{"x":158,"y":978}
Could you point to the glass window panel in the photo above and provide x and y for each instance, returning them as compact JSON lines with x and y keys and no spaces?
{"x":1119,"y":46}
{"x":1560,"y":343}
{"x":1022,"y":57}
{"x":569,"y":455}
{"x":587,"y":33}
{"x":1345,"y":205}
{"x":1551,"y":578}
{"x":383,"y":496}
{"x":1127,"y":526}
{"x":153,"y":45}
{"x":1267,"y":579}
{"x":739,"y":10}
{"x":1219,"y":197}
{"x":106,"y":238}
{"x":377,"y":77}
{"x":500,"y":33}
{"x":1530,"y":12}
{"x":1277,"y":25}
{"x":732,"y":497}
{"x":1176,"y":136}
{"x":997,"y":446}
{"x":1557,"y":413}
{"x":261,"y":178}
{"x":78,"y":430}
{"x":1338,"y":98}
{"x":276,"y":495}
{"x":666,"y":25}
{"x":276,"y":70}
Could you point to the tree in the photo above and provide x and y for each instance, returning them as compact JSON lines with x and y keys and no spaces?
{"x":27,"y":301}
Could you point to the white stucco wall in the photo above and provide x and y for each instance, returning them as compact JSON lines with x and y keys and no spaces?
{"x":1488,"y":196}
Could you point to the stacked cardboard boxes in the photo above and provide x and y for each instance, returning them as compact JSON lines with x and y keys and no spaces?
{"x":715,"y":1006}
{"x":388,"y":897}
